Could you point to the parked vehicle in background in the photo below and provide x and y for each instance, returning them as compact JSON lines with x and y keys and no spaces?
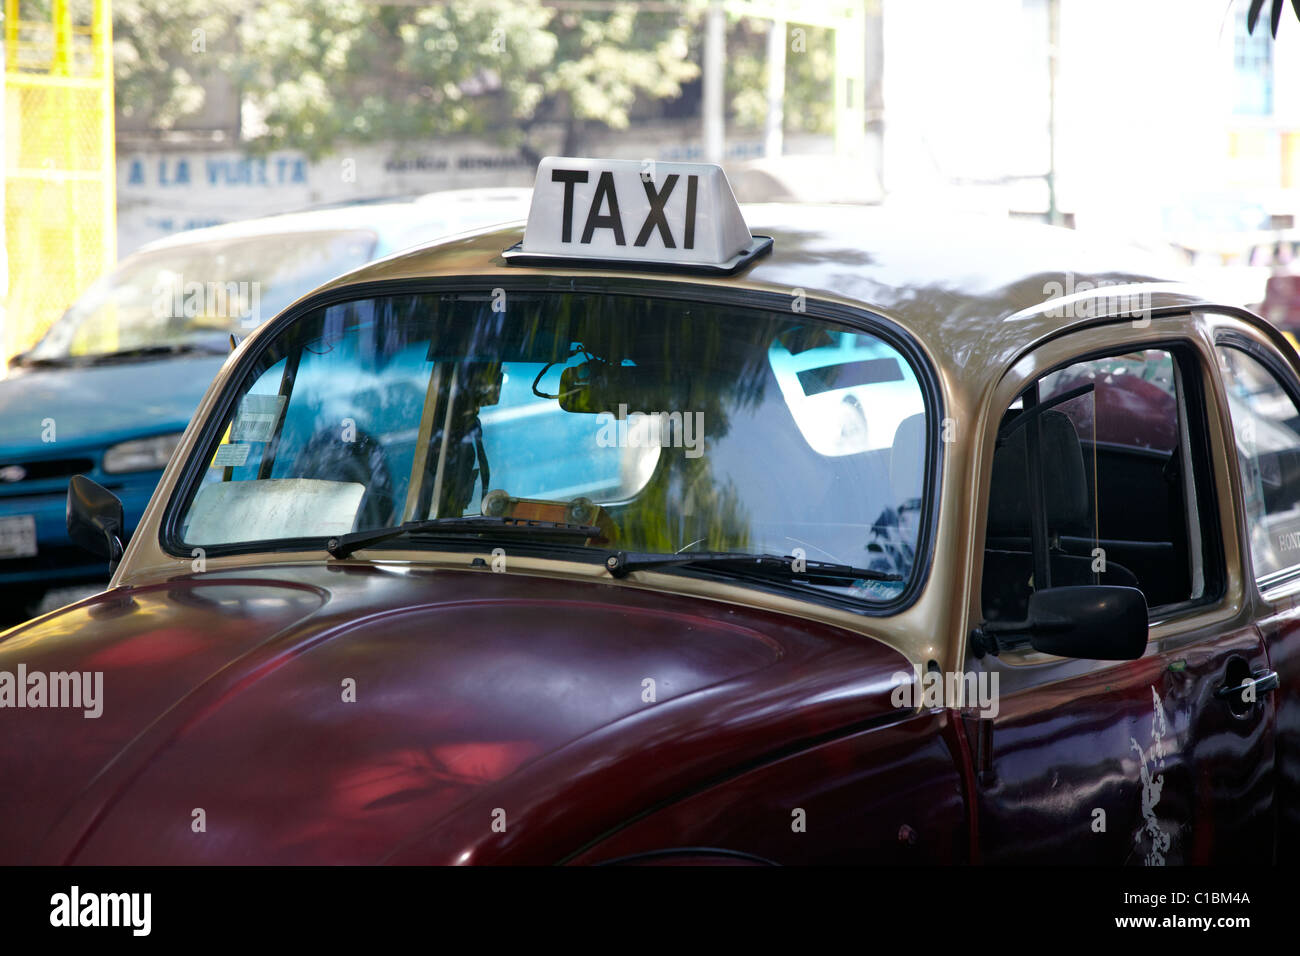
{"x":1259,"y":271}
{"x":109,"y":389}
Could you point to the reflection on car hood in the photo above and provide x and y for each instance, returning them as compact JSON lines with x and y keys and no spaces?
{"x":361,"y":714}
{"x":107,"y":401}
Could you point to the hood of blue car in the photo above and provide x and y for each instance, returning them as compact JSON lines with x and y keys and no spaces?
{"x":102,"y":403}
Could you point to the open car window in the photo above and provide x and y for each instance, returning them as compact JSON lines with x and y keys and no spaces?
{"x":672,"y":426}
{"x":1122,"y":469}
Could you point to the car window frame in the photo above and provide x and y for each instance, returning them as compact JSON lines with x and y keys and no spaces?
{"x":850,"y":317}
{"x":1285,"y":375}
{"x":1185,"y":402}
{"x":1089,"y":342}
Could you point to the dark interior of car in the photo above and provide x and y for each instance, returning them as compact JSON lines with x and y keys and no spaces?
{"x":1135,"y":514}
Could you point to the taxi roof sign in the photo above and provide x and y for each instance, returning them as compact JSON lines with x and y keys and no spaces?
{"x":641,"y":213}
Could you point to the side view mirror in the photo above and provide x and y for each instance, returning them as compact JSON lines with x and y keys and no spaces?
{"x":1097,"y":622}
{"x":95,"y":519}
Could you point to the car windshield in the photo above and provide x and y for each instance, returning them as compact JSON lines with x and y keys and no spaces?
{"x":199,"y":293}
{"x":669,"y":426}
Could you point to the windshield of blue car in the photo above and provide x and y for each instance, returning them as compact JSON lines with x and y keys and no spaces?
{"x":669,"y":425}
{"x":199,"y":292}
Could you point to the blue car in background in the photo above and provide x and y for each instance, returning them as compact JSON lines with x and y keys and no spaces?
{"x":109,"y":389}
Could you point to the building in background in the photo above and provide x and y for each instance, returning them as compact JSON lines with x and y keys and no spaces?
{"x":1171,"y":121}
{"x":1163,"y":121}
{"x":200,"y":171}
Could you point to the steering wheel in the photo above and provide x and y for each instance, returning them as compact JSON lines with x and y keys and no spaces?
{"x":362,"y":460}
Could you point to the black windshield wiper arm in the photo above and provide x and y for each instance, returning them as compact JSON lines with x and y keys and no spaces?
{"x":28,"y":360}
{"x":53,"y":361}
{"x":152,"y":351}
{"x":622,"y":563}
{"x":345,"y":544}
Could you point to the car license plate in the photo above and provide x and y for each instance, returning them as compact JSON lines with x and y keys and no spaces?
{"x":18,"y":536}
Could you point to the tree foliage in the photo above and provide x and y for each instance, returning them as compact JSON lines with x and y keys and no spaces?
{"x":1275,"y":13}
{"x":311,"y":75}
{"x":163,"y":51}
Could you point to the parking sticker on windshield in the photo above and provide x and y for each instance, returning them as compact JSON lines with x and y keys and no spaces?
{"x":232,"y":456}
{"x":257,"y":417}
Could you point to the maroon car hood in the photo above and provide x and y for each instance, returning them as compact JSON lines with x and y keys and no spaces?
{"x":355,"y":714}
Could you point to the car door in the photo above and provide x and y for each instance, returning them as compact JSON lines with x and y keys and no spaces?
{"x":1262,"y":393}
{"x":1149,"y":761}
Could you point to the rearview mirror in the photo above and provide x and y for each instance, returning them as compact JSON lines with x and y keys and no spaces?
{"x":1097,"y":622}
{"x":595,"y":386}
{"x":95,"y":519}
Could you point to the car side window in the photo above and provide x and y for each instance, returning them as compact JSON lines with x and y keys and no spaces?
{"x":1118,"y":467}
{"x":1266,"y":424}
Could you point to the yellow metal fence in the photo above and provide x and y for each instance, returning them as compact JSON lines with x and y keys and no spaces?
{"x":60,"y":204}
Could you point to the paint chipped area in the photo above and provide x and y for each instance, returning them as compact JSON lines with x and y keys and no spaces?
{"x":1151,"y":769}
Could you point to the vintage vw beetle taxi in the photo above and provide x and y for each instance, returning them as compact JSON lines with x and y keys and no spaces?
{"x":636,"y":535}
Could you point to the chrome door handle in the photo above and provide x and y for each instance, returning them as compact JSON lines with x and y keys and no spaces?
{"x":1262,"y":683}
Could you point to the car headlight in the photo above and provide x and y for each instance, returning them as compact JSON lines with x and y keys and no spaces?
{"x":142,"y":454}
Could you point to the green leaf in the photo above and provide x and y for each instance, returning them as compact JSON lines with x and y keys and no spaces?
{"x":1252,"y":17}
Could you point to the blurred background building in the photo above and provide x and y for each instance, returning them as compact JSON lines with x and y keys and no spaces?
{"x":1170,"y":119}
{"x":1165,"y":122}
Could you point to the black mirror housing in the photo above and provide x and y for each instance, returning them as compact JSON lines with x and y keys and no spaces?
{"x":1096,"y":622}
{"x":95,"y":519}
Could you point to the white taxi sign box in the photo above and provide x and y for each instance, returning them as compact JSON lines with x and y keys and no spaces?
{"x":635,"y":213}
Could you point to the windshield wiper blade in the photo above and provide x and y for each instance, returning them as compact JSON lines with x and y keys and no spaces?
{"x":151,"y":351}
{"x":52,"y":361}
{"x":622,"y":563}
{"x":345,"y":544}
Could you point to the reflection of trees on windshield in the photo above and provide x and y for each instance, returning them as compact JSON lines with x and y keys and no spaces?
{"x":685,"y":507}
{"x":689,"y":359}
{"x":432,"y":400}
{"x":699,"y":359}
